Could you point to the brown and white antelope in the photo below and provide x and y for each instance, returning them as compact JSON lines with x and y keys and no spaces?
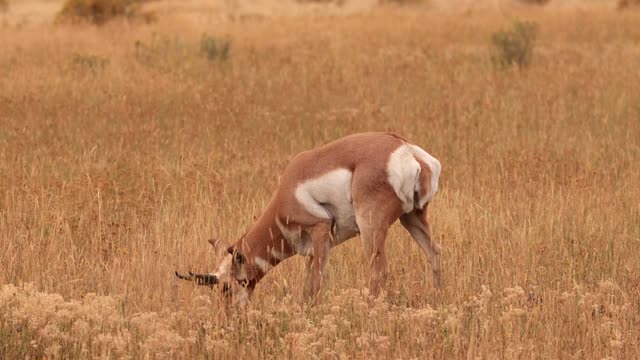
{"x":359,"y":184}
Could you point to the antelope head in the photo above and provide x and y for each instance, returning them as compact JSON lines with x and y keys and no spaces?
{"x":232,"y":273}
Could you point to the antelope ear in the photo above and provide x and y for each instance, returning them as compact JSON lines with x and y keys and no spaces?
{"x":214,"y":242}
{"x":238,"y":258}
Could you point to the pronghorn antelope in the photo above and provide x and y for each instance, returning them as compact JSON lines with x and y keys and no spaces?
{"x":359,"y":184}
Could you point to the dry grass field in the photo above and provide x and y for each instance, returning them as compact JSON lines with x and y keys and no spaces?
{"x":123,"y":148}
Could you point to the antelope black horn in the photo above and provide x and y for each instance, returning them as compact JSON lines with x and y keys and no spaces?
{"x":183,"y":277}
{"x":206,"y":279}
{"x":200,"y":279}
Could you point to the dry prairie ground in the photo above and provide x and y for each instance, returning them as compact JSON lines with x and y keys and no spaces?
{"x":123,"y":148}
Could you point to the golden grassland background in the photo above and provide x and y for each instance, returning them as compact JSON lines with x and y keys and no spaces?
{"x":123,"y":148}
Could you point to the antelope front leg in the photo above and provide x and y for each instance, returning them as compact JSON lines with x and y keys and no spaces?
{"x":373,"y":221}
{"x":373,"y":239}
{"x":316,"y":265}
{"x":308,"y":279}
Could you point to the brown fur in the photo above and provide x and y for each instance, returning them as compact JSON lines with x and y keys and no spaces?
{"x":375,"y":203}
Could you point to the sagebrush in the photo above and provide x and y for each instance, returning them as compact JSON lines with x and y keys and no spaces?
{"x":624,"y":4}
{"x":100,"y":11}
{"x":214,"y":48}
{"x":515,"y":46}
{"x":535,"y":2}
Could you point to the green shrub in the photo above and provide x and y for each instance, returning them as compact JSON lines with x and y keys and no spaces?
{"x":214,"y":48}
{"x":624,"y":4}
{"x":164,"y":52}
{"x":100,"y":11}
{"x":403,"y":2}
{"x":535,"y":2}
{"x":515,"y":46}
{"x":88,"y":63}
{"x":337,"y":2}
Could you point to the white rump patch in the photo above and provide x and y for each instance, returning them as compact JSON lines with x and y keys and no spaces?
{"x":404,"y":175}
{"x":434,"y":166}
{"x":333,"y":188}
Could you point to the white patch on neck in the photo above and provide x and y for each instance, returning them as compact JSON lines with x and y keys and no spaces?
{"x":332,"y":188}
{"x":278,"y":255}
{"x":263,"y":264}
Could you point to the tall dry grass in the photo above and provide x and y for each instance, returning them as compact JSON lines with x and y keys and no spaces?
{"x":123,"y":148}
